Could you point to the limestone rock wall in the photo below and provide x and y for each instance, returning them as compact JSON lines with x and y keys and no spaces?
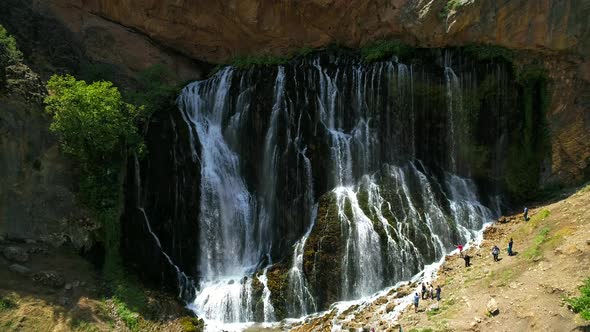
{"x":557,"y":32}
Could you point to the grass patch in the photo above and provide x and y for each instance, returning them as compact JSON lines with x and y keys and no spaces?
{"x":533,"y":253}
{"x":128,"y":316}
{"x":537,"y":218}
{"x":7,"y":303}
{"x":383,"y":49}
{"x":581,"y":304}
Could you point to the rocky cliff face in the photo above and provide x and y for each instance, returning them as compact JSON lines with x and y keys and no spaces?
{"x":556,"y":32}
{"x":37,"y":200}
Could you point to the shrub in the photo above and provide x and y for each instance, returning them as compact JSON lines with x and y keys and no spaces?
{"x":581,"y":304}
{"x":7,"y":303}
{"x":10,"y":53}
{"x":490,"y":52}
{"x":156,"y":90}
{"x":449,"y":6}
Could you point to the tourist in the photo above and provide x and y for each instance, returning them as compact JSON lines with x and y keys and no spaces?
{"x":526,"y":213}
{"x":510,"y":247}
{"x":467,"y":259}
{"x":423,"y":294}
{"x":438,"y":293}
{"x":416,"y":300}
{"x":495,"y":252}
{"x":431,"y":290}
{"x":460,"y":247}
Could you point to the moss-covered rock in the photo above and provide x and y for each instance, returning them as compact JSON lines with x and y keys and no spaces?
{"x":322,"y":257}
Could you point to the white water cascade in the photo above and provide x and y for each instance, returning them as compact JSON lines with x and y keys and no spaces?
{"x":274,"y":140}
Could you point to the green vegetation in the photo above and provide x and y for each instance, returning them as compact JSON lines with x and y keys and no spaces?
{"x":451,"y":5}
{"x":581,"y":304}
{"x":97,"y":129}
{"x":9,"y":52}
{"x":156,"y":90}
{"x":192,"y":324}
{"x":248,"y":61}
{"x":540,"y":216}
{"x":489,"y":52}
{"x":382,"y":49}
{"x":534,"y":253}
{"x":7,"y":303}
{"x":245,"y":62}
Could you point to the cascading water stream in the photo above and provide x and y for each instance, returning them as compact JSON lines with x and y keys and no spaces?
{"x":274,"y":140}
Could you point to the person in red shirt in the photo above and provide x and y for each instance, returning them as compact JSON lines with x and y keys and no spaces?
{"x":460,"y":247}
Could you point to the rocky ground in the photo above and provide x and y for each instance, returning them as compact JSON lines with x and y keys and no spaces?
{"x":524,"y":292}
{"x":43,"y":288}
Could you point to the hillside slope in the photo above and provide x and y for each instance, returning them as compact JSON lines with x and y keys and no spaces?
{"x":552,"y":260}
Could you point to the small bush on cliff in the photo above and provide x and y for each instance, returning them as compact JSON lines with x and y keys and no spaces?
{"x":383,"y":49}
{"x":156,"y":90}
{"x":581,"y":304}
{"x":10,"y":53}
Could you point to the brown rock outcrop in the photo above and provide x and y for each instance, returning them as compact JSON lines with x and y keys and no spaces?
{"x":558,"y":32}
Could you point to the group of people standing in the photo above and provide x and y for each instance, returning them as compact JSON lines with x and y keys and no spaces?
{"x":428,"y":292}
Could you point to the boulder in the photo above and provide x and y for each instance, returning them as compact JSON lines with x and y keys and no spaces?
{"x":389,"y":307}
{"x":50,"y":279}
{"x":492,"y":307}
{"x":17,"y":268}
{"x":15,"y":254}
{"x":380,"y":301}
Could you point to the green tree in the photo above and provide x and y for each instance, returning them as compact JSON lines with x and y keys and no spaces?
{"x":97,"y":129}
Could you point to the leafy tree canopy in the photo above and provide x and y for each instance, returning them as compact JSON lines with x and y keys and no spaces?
{"x":93,"y":122}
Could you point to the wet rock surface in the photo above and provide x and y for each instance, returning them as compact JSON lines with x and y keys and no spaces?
{"x":16,"y":254}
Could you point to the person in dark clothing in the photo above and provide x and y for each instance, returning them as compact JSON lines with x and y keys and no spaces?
{"x":495,"y":252}
{"x":438,"y":293}
{"x":423,"y":294}
{"x":467,"y":259}
{"x":510,"y":247}
{"x":526,"y":213}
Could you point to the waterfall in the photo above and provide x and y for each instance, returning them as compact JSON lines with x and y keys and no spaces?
{"x":275,"y":139}
{"x":229,"y":252}
{"x":269,"y":312}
